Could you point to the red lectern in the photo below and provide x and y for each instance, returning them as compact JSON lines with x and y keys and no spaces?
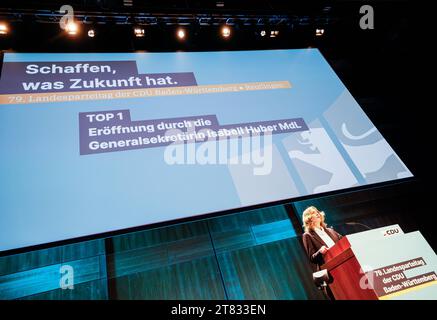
{"x":341,"y":263}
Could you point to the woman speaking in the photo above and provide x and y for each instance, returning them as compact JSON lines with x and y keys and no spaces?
{"x":318,"y":238}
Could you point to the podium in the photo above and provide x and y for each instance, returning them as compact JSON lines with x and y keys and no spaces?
{"x":382,"y":264}
{"x":347,"y":274}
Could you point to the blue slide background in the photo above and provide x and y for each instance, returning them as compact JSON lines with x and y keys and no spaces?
{"x":49,"y":192}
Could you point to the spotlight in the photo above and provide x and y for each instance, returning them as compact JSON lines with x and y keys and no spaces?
{"x":3,"y":28}
{"x":274,"y":33}
{"x":226,"y":32}
{"x":320,"y":32}
{"x":180,"y":34}
{"x":139,"y":32}
{"x":263,"y":33}
{"x":91,"y":33}
{"x":72,"y":28}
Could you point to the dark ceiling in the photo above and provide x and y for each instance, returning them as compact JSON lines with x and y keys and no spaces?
{"x":35,"y":24}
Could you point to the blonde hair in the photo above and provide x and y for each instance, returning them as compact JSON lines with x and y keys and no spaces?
{"x":307,"y":218}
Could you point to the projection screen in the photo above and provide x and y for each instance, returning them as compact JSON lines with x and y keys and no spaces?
{"x":95,"y":143}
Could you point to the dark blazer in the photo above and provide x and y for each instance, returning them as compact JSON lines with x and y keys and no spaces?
{"x":312,"y":243}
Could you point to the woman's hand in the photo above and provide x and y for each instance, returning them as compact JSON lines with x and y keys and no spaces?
{"x":323,"y":250}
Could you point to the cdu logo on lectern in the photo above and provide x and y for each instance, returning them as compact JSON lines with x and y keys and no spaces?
{"x":391,"y":231}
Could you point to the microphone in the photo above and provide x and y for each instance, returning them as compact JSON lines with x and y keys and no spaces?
{"x":353,"y":223}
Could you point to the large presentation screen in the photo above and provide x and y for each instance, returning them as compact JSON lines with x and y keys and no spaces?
{"x":95,"y":143}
